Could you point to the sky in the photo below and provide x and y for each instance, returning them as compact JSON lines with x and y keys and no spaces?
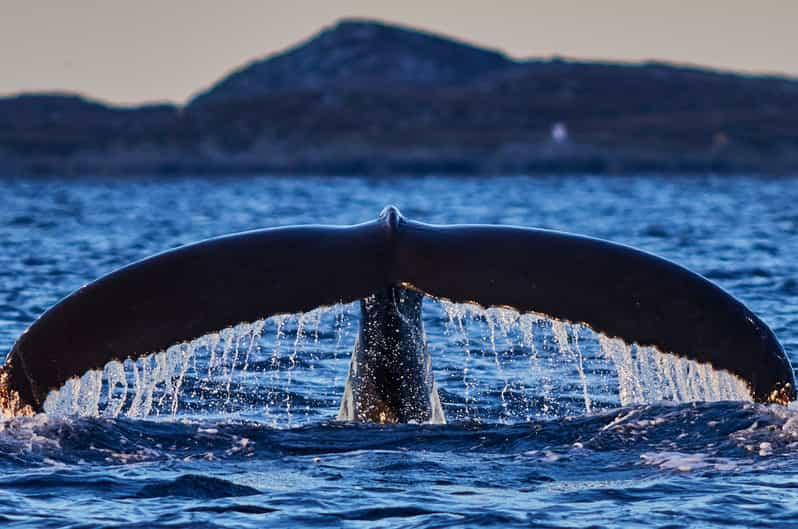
{"x":140,"y":51}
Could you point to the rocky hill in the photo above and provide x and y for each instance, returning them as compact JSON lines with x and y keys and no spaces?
{"x":365,"y":97}
{"x":359,"y":54}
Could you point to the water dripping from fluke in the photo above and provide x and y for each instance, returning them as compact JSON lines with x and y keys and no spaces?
{"x":529,"y":323}
{"x":501,"y":366}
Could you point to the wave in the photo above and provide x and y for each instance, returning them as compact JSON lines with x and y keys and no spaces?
{"x":723,"y":429}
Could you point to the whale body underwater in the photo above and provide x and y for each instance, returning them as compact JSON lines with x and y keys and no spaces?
{"x":390,"y":264}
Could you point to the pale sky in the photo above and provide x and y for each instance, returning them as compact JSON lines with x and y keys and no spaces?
{"x":167,"y":50}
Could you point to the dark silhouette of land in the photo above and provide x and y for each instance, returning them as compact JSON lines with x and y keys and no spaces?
{"x":369,"y":98}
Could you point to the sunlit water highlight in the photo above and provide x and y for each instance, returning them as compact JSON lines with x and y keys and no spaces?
{"x":549,"y":423}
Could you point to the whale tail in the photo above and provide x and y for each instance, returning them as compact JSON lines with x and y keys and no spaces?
{"x":197,"y":289}
{"x":390,"y":376}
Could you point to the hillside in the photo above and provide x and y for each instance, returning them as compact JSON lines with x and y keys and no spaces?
{"x":365,"y":97}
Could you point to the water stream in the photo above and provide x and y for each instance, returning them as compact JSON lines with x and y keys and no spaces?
{"x":539,"y":367}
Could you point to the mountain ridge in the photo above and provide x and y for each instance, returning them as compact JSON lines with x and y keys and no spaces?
{"x":355,"y":51}
{"x":370,"y":97}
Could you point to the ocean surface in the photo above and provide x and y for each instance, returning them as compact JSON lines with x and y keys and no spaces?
{"x":549,"y":424}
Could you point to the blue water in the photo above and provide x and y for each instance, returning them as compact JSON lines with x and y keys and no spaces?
{"x":260,"y":447}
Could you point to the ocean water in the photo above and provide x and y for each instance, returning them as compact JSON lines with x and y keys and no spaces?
{"x":549,"y":424}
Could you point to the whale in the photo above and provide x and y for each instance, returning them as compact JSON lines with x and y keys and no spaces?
{"x":390,"y":377}
{"x":390,"y":264}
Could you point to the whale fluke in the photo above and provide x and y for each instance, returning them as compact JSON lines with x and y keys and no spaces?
{"x":193,"y":290}
{"x":614,"y":289}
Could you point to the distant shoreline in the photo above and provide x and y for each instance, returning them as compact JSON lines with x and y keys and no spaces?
{"x":374,"y":99}
{"x":591,"y":162}
{"x":257,"y":172}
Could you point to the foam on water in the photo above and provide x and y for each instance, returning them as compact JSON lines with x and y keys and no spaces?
{"x":686,"y":462}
